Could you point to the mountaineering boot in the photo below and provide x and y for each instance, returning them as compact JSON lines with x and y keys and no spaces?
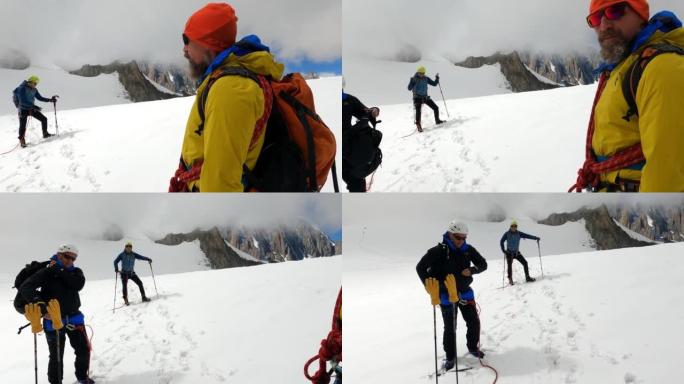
{"x":420,"y":129}
{"x":145,"y":299}
{"x":447,"y":364}
{"x":87,"y":380}
{"x":477,"y":353}
{"x":438,"y":121}
{"x":510,"y":281}
{"x":47,"y":134}
{"x":126,"y":301}
{"x":22,"y":142}
{"x":530,"y":279}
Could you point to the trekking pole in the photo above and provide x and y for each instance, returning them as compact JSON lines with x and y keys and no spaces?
{"x":54,"y":106}
{"x":503,"y":272}
{"x":452,"y":288}
{"x":445,"y":106}
{"x":116,"y":280}
{"x":35,"y":356}
{"x":540,"y":260}
{"x":153,"y":279}
{"x":432,"y":286}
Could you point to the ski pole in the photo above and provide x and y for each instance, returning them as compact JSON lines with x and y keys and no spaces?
{"x":445,"y":106}
{"x":35,"y":355}
{"x":540,"y":259}
{"x":434,"y":322}
{"x":503,"y":273}
{"x":22,"y":328}
{"x":455,"y":341}
{"x":153,"y":279}
{"x":116,"y":280}
{"x":59,"y":355}
{"x":54,"y":106}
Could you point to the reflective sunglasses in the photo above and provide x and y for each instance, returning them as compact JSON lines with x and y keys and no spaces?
{"x":186,"y":41}
{"x":514,"y":226}
{"x":459,"y":238}
{"x":69,"y":257}
{"x":612,"y":12}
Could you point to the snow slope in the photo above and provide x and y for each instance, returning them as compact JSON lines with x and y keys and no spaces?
{"x":382,"y":82}
{"x":241,"y":325}
{"x":74,"y":91}
{"x":584,"y":322}
{"x":523,"y":142}
{"x":118,"y":148}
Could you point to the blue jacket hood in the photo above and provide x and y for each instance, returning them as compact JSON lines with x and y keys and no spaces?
{"x":247,"y":45}
{"x":446,"y":240}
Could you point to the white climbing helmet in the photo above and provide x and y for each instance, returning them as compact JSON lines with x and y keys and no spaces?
{"x":70,"y":248}
{"x":458,"y":227}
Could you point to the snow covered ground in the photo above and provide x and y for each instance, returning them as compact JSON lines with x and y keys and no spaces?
{"x":74,"y":91}
{"x":595,"y":317}
{"x":523,"y":142}
{"x":241,"y":325}
{"x":118,"y":148}
{"x":384,"y":82}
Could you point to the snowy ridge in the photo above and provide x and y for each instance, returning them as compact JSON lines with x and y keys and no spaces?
{"x":210,"y":327}
{"x":541,"y":78}
{"x":243,"y":254}
{"x":575,"y":325}
{"x":634,"y":235}
{"x":162,"y":88}
{"x":119,"y":148}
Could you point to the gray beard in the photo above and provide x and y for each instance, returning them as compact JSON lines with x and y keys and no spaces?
{"x":613,"y":54}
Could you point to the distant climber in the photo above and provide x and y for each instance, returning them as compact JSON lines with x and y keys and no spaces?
{"x":512,"y":251}
{"x":24,"y":99}
{"x":127,"y":259}
{"x":419,"y":85}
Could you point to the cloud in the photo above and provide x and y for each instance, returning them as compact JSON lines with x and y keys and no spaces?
{"x":419,"y":209}
{"x":155,"y":215}
{"x":71,"y":33}
{"x":459,"y":28}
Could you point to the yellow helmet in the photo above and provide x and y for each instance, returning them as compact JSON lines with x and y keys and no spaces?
{"x":514,"y":223}
{"x":421,"y":70}
{"x":33,"y":79}
{"x":129,"y":244}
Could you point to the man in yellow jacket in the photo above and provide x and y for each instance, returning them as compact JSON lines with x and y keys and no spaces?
{"x":636,"y":148}
{"x":236,"y":108}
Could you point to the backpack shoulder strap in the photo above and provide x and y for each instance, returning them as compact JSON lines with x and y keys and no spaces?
{"x":631,"y":81}
{"x":225,"y":71}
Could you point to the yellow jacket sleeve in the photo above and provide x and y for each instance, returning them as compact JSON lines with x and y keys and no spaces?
{"x":661,"y":124}
{"x":233,"y":106}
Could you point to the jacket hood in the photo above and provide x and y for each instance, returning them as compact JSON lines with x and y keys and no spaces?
{"x":251,"y":54}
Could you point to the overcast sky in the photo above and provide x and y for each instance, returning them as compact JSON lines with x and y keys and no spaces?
{"x":443,"y":206}
{"x":460,"y":28}
{"x":76,"y":32}
{"x":155,"y":215}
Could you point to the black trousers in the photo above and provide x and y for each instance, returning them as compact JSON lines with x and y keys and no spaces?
{"x":23,"y":117}
{"x":124,"y":280}
{"x":518,"y":256}
{"x":469,"y":313}
{"x":79,"y":342}
{"x":354,"y":184}
{"x":418,"y":103}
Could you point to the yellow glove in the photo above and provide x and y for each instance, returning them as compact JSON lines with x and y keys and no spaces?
{"x":55,"y":314}
{"x":450,"y":283}
{"x":432,"y":287}
{"x":34,"y":314}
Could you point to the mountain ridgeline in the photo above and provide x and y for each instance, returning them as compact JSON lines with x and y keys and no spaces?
{"x":234,"y":246}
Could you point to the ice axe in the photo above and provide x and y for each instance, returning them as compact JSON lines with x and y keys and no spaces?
{"x":153,"y":279}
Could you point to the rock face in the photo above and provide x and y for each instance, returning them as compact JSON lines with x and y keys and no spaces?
{"x":13,"y":59}
{"x":656,"y":223}
{"x":171,"y":77}
{"x":338,"y":247}
{"x":600,"y":225}
{"x":275,"y":244}
{"x":214,"y":247}
{"x":571,"y":69}
{"x":131,"y":77}
{"x":519,"y":77}
{"x":281,"y":243}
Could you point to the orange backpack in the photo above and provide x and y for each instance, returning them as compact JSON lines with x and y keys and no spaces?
{"x":299,"y":149}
